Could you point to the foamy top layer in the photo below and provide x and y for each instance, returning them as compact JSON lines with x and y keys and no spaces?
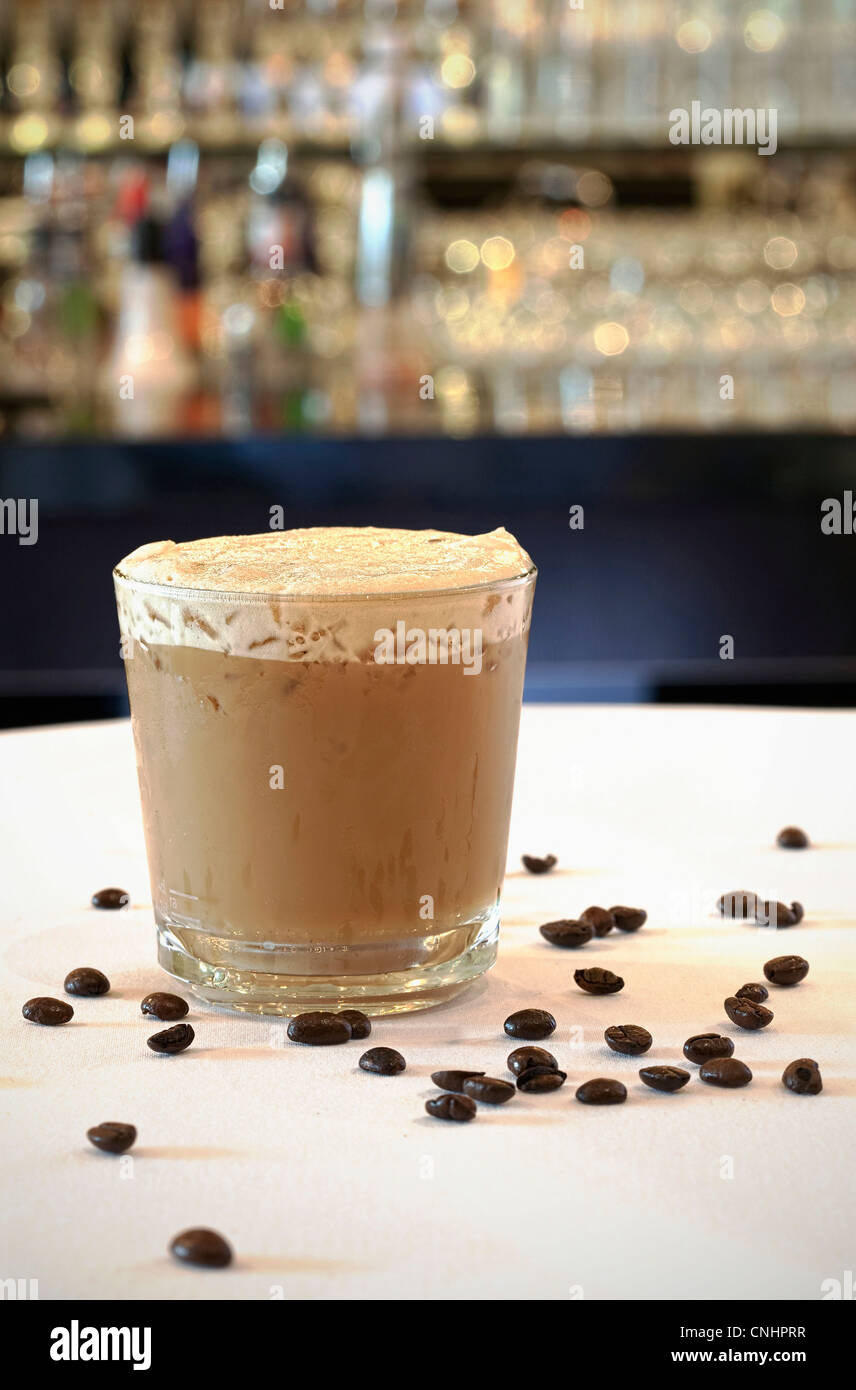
{"x":320,"y":594}
{"x":332,"y":561}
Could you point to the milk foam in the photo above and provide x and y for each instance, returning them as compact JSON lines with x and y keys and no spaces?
{"x":321,"y":594}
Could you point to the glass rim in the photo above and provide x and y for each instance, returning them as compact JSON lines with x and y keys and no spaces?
{"x":277,"y":596}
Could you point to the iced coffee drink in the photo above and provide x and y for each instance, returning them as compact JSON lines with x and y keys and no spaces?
{"x":326,"y":725}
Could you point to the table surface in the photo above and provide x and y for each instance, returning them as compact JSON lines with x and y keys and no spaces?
{"x":331,"y":1183}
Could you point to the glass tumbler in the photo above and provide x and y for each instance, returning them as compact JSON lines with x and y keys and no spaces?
{"x":326,"y":806}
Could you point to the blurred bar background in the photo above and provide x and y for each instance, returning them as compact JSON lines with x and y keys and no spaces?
{"x":435,"y":262}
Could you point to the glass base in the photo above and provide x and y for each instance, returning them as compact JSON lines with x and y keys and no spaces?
{"x":262,"y":979}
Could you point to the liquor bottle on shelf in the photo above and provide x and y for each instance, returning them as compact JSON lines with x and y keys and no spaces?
{"x":283,"y":263}
{"x":149,"y":371}
{"x":180,"y":241}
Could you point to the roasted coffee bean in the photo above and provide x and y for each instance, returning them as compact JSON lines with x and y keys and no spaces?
{"x":702,"y":1047}
{"x":568,"y":933}
{"x":803,"y":1077}
{"x":111,"y":898}
{"x":488,"y":1090}
{"x":201,"y":1247}
{"x":167,"y":1007}
{"x":361,"y":1024}
{"x":747,"y":1014}
{"x":112,"y":1138}
{"x":772,"y":914}
{"x":522,"y":1058}
{"x":453,"y":1080}
{"x":530,"y":1023}
{"x":172,"y":1040}
{"x":757,"y":993}
{"x":383,"y":1061}
{"x":538,"y":1080}
{"x":597,"y":981}
{"x":786,"y":970}
{"x":739,"y":903}
{"x":629,"y":918}
{"x":539,"y":866}
{"x":628,"y":1038}
{"x":599,"y":919}
{"x":725,"y":1071}
{"x":601,"y":1091}
{"x":664,"y":1078}
{"x":457,"y":1108}
{"x":792,"y":838}
{"x":86,"y":981}
{"x":49,"y":1012}
{"x":319,"y":1029}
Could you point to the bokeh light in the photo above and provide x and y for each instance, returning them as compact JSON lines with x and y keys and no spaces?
{"x":458,"y":70}
{"x":575,"y":224}
{"x":753,"y":296}
{"x":594,"y":188}
{"x":695,"y":297}
{"x":763,"y":31}
{"x":694,"y":36}
{"x":497,"y":252}
{"x":788,"y":300}
{"x":94,"y":131}
{"x":23,"y":80}
{"x":780,"y":253}
{"x":611,"y":339}
{"x":28,"y":133}
{"x":462,"y":256}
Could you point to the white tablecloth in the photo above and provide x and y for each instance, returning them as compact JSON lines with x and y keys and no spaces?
{"x":331,"y":1183}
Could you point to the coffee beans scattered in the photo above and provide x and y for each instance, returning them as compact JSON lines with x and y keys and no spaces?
{"x":792,"y":838}
{"x":703,"y":1047}
{"x":453,"y":1080}
{"x":738,"y":903}
{"x":172,"y":1040}
{"x":112,"y":1138}
{"x":664,"y":1078}
{"x":86,"y":981}
{"x":568,"y":934}
{"x":319,"y":1029}
{"x":361,"y":1024}
{"x":747,"y":1014}
{"x":539,"y":866}
{"x":49,"y":1012}
{"x":383,"y":1061}
{"x":597,"y":981}
{"x":803,"y":1077}
{"x":599,"y":919}
{"x":167,"y":1007}
{"x":539,"y":1080}
{"x":628,"y":1038}
{"x":757,"y":993}
{"x":457,"y":1108}
{"x":202,"y":1247}
{"x":725,"y":1071}
{"x":535,"y":1069}
{"x":488,"y":1090}
{"x":522,"y":1058}
{"x":601,"y":1091}
{"x":773,"y":914}
{"x":786,"y":970}
{"x":594,"y":921}
{"x":629,"y":918}
{"x":111,"y":898}
{"x":530,"y":1023}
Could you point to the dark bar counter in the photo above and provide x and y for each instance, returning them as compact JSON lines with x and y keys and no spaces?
{"x":685,"y":540}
